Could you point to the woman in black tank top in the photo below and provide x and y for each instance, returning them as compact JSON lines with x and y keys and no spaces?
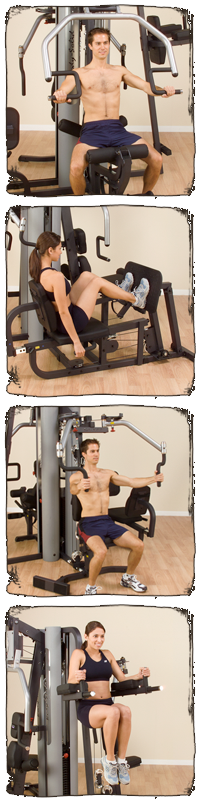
{"x":96,"y":666}
{"x":74,"y":304}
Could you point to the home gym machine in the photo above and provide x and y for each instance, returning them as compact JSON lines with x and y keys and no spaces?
{"x":38,"y":318}
{"x":67,"y":31}
{"x":59,"y":434}
{"x":49,"y":703}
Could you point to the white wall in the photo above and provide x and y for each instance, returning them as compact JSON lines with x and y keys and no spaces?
{"x":127,"y":453}
{"x":156,"y":637}
{"x":156,"y":237}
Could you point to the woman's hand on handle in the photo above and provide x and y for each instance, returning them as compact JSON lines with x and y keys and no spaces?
{"x":80,"y":675}
{"x":79,"y":349}
{"x":144,"y":672}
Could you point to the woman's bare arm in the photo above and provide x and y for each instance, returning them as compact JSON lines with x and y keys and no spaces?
{"x":118,"y":673}
{"x":62,"y":302}
{"x":76,"y":670}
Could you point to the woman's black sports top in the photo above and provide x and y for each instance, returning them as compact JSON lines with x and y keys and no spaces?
{"x":50,"y":295}
{"x":97,"y":670}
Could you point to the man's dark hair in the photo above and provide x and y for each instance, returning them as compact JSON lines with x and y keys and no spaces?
{"x":91,"y":33}
{"x":86,"y":443}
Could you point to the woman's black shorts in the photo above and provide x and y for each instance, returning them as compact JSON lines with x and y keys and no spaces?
{"x":84,"y":707}
{"x":80,"y":319}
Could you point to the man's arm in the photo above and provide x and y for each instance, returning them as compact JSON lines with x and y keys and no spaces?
{"x":78,"y":483}
{"x":139,"y":83}
{"x":135,"y":483}
{"x":66,"y":87}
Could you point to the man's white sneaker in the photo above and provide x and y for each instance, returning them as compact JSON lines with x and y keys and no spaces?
{"x":131,"y":582}
{"x":91,"y":591}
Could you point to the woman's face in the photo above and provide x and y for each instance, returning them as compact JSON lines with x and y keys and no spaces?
{"x":56,"y":252}
{"x":96,"y":638}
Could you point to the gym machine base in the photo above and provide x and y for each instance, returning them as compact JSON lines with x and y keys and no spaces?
{"x":101,"y":335}
{"x":55,"y":701}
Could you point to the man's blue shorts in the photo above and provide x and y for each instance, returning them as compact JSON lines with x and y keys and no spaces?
{"x":106,"y":133}
{"x":99,"y":526}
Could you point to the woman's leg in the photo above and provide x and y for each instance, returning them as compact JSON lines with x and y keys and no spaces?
{"x":124,"y":729}
{"x":116,"y":723}
{"x":106,"y":717}
{"x":87,"y":298}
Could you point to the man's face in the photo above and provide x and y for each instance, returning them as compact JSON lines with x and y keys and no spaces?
{"x":100,"y":45}
{"x":92,"y":454}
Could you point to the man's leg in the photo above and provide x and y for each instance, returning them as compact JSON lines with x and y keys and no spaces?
{"x":96,"y":544}
{"x":135,"y":546}
{"x":77,"y":168}
{"x":154,"y":164}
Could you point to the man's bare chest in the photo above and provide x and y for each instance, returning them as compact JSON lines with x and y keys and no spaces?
{"x":100,"y":81}
{"x":99,"y":482}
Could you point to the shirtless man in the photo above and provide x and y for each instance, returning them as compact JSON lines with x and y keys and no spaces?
{"x":93,"y":529}
{"x":100,"y":84}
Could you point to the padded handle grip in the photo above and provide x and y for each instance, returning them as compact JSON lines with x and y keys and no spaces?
{"x":71,"y":95}
{"x":85,"y":475}
{"x":155,"y":89}
{"x":158,"y":468}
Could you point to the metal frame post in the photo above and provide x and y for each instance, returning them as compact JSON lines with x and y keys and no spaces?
{"x":50,"y":484}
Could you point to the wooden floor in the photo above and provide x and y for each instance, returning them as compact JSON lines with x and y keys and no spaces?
{"x":151,"y":780}
{"x":166,"y":567}
{"x":144,"y":780}
{"x":177,"y":177}
{"x":169,"y":377}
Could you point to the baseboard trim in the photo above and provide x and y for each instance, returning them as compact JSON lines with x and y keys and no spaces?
{"x":10,"y":509}
{"x":162,"y":762}
{"x":135,"y":128}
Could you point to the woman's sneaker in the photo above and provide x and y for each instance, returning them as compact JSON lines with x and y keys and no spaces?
{"x":123,"y":772}
{"x":91,"y":591}
{"x":127,"y":282}
{"x":110,"y":771}
{"x":131,"y":582}
{"x":141,"y":293}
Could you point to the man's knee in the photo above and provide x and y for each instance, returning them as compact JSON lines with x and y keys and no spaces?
{"x":101,"y":551}
{"x":156,"y":158}
{"x":138,"y":545}
{"x":76,"y":169}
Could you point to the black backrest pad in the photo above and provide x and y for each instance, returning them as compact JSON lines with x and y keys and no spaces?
{"x":153,"y":276}
{"x":45,"y":311}
{"x":134,"y":504}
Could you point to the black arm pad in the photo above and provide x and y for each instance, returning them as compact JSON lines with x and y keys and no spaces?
{"x":104,"y":154}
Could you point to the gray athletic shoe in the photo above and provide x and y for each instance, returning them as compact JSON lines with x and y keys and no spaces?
{"x":131,"y":582}
{"x":127,"y":282}
{"x":141,"y":293}
{"x":110,"y":771}
{"x":91,"y":591}
{"x":124,"y":777}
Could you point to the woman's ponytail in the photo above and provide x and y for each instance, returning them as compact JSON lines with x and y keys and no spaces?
{"x":45,"y":240}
